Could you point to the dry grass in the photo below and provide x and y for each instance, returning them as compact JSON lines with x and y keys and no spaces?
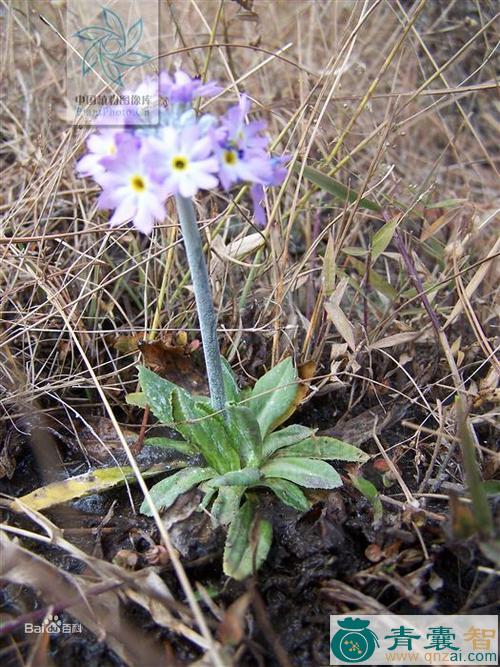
{"x":397,"y":100}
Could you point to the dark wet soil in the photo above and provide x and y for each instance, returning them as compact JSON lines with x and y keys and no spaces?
{"x":330,"y":560}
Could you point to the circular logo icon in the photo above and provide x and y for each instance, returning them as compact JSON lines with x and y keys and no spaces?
{"x":354,"y":642}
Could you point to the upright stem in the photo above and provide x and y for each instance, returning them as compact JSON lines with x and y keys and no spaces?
{"x":203,"y":297}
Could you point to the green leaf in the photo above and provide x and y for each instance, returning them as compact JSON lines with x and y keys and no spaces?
{"x":200,"y":425}
{"x":306,"y":472}
{"x":245,"y":434}
{"x":289,"y":435}
{"x":287,"y":492}
{"x":230,"y":384}
{"x":166,"y":492}
{"x":158,"y":393}
{"x":333,"y":187}
{"x":491,"y":549}
{"x":324,"y":447}
{"x":354,"y":251}
{"x":137,"y":398}
{"x":376,"y":281}
{"x":179,"y":445}
{"x":446,"y":203}
{"x":273,"y":394}
{"x":492,"y":487}
{"x":247,"y":544}
{"x":370,"y":492}
{"x":383,"y":237}
{"x":209,"y":492}
{"x":243,"y":477}
{"x":226,"y":504}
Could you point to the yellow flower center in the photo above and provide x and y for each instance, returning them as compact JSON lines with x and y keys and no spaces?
{"x":179,"y":163}
{"x":230,"y":157}
{"x":137,"y":183}
{"x":111,"y":149}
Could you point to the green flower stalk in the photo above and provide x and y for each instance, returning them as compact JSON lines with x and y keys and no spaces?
{"x":203,"y":297}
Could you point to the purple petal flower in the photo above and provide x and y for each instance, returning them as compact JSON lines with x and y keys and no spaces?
{"x":139,"y":163}
{"x":257,"y":194}
{"x":130,"y":189}
{"x":245,"y":136}
{"x":235,"y":166}
{"x":184,"y":160}
{"x":184,"y":89}
{"x":101,"y":144}
{"x":278,"y":174}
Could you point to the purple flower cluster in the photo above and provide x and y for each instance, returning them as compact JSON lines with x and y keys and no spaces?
{"x":139,"y":166}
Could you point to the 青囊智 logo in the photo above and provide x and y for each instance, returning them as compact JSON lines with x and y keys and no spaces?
{"x":354,"y":641}
{"x":414,"y":639}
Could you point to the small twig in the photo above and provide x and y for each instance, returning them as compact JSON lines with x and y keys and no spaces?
{"x":137,"y":446}
{"x":406,"y":506}
{"x":409,"y":497}
{"x":366,"y":290}
{"x":412,"y":271}
{"x":266,"y":627}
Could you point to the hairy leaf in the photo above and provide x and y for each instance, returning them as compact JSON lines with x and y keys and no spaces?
{"x":165,"y":492}
{"x":243,"y":477}
{"x":158,"y":393}
{"x":273,"y":394}
{"x":226,"y":504}
{"x":311,"y":473}
{"x":200,"y":425}
{"x":324,"y":447}
{"x":169,"y":443}
{"x":289,"y":435}
{"x":137,"y":398}
{"x":287,"y":492}
{"x":247,"y":544}
{"x":230,"y":384}
{"x":245,"y":434}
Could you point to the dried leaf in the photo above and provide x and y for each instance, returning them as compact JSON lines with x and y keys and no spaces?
{"x":171,"y":357}
{"x":245,"y":4}
{"x":341,"y":323}
{"x":100,"y":613}
{"x":232,"y":628}
{"x":233,"y":252}
{"x":93,"y":482}
{"x":397,"y":339}
{"x":329,"y":267}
